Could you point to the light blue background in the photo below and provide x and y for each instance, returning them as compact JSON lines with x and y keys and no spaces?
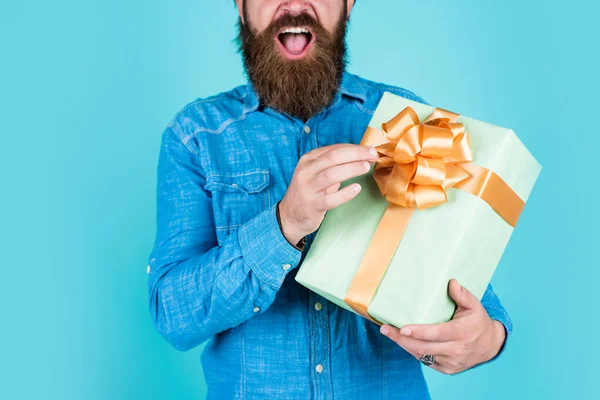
{"x":86,"y":88}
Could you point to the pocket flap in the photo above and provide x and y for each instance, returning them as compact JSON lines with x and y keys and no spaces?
{"x":248,"y":182}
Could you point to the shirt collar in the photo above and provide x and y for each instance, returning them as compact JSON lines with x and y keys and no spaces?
{"x":349,"y":88}
{"x":251,"y":101}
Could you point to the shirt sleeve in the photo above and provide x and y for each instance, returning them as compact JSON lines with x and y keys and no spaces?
{"x":197,"y":287}
{"x":496,"y":311}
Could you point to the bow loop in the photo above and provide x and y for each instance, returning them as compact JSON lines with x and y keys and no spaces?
{"x":402,"y":122}
{"x":437,"y":141}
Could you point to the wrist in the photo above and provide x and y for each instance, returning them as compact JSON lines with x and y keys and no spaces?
{"x":288,"y":229}
{"x":498,"y":333}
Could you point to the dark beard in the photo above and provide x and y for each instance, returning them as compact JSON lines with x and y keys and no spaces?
{"x":301,"y":88}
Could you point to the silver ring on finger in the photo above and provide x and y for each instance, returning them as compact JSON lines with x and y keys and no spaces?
{"x":427,"y":360}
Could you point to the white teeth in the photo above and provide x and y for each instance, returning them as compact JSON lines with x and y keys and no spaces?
{"x":295,"y":30}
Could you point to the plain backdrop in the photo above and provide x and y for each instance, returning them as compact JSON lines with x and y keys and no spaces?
{"x":87,"y":87}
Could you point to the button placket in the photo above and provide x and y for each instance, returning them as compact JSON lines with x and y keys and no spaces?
{"x":308,"y":140}
{"x":320,"y":346}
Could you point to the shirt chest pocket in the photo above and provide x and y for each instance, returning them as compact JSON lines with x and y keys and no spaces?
{"x":238,"y":197}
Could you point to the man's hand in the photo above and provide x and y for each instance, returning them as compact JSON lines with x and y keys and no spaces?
{"x":314,"y":188}
{"x":469,"y":339}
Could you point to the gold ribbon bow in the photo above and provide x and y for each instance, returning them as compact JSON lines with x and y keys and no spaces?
{"x":418,"y":163}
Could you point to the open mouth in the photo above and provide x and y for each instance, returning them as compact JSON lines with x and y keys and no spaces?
{"x":295,"y":42}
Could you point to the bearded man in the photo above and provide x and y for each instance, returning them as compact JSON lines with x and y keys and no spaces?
{"x":244,"y":180}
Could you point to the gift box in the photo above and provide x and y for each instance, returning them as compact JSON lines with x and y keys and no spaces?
{"x":440,"y":203}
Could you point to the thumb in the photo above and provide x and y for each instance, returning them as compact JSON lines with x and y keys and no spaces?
{"x":463,"y":298}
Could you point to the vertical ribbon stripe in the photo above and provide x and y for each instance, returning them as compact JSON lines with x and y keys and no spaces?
{"x":378,"y":256}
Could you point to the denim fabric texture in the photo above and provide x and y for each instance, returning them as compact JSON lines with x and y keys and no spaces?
{"x":221,"y":270}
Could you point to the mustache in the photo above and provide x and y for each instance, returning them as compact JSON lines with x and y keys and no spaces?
{"x":302,"y":19}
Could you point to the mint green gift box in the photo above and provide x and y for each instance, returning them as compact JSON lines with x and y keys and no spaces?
{"x":463,"y":238}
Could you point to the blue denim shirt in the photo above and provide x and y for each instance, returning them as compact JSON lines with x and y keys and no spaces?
{"x":221,"y":269}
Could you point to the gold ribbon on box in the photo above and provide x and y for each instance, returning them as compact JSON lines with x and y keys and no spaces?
{"x":418,"y":162}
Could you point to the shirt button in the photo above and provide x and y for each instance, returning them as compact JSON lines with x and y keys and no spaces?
{"x":256,"y":309}
{"x":148,"y":269}
{"x":306,"y":129}
{"x":318,"y":306}
{"x":319,"y":368}
{"x":285,"y":267}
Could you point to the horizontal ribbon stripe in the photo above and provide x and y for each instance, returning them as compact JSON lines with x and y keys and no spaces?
{"x":493,"y":190}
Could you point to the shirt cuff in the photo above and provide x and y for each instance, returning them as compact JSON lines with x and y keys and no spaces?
{"x":264,"y":248}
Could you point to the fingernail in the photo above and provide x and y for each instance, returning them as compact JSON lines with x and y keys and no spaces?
{"x":406,"y":331}
{"x":384,"y":330}
{"x":356,"y":188}
{"x":373,"y":151}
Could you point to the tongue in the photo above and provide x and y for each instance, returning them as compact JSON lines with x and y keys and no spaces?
{"x":295,"y":42}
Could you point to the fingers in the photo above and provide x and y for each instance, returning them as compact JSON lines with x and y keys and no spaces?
{"x":416,"y":347}
{"x":343,"y":155}
{"x":311,"y":193}
{"x":333,"y":200}
{"x":340,"y":173}
{"x":333,"y":188}
{"x":442,"y":365}
{"x":450,"y":365}
{"x":313,"y":154}
{"x":444,"y":332}
{"x":463,"y":298}
{"x":446,"y":354}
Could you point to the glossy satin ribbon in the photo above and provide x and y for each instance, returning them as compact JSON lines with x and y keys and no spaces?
{"x":418,"y":162}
